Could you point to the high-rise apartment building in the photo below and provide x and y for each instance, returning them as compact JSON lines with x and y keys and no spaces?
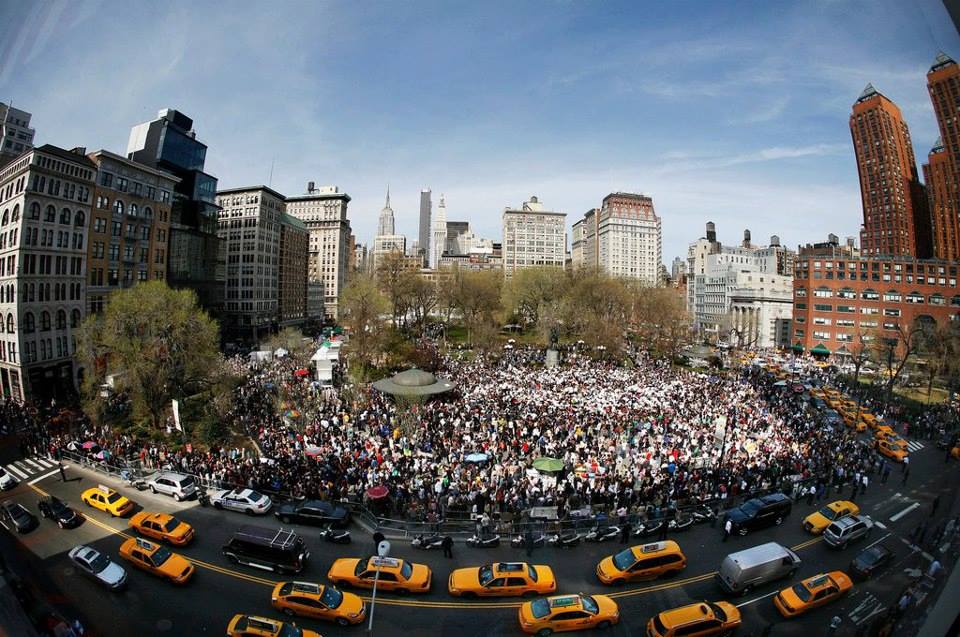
{"x":16,"y":136}
{"x":423,"y":237}
{"x":438,"y":234}
{"x":621,"y":238}
{"x":292,"y":275}
{"x":169,"y":143}
{"x":533,"y":236}
{"x":942,"y":170}
{"x":45,"y":197}
{"x":324,"y":211}
{"x":129,"y":226}
{"x":895,"y":216}
{"x":249,"y":230}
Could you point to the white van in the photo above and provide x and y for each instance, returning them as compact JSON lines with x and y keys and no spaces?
{"x":178,"y":485}
{"x":742,"y":571}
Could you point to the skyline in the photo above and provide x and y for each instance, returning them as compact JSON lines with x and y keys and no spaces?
{"x":729,"y":128}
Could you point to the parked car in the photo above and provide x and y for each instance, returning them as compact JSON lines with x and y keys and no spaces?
{"x":178,"y":485}
{"x":98,"y":566}
{"x":845,"y":530}
{"x":57,"y":510}
{"x":18,"y":516}
{"x":7,"y":481}
{"x":870,"y":561}
{"x":319,"y":512}
{"x":243,"y":500}
{"x":759,"y":512}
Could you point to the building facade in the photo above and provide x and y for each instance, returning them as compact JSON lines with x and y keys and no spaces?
{"x":621,"y":238}
{"x":129,"y":226}
{"x":533,"y":237}
{"x":896,"y":220}
{"x":16,"y":136}
{"x":249,"y":230}
{"x":45,"y":206}
{"x":438,"y":233}
{"x":324,"y":211}
{"x":386,"y":222}
{"x":425,"y":227}
{"x":459,"y":239}
{"x":292,"y":275}
{"x":384,"y":245}
{"x":194,"y":261}
{"x":942,"y":171}
{"x":843,"y":301}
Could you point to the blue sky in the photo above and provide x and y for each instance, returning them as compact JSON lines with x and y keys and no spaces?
{"x":734,"y":112}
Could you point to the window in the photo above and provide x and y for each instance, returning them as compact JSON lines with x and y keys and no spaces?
{"x":61,"y":320}
{"x":937,"y":299}
{"x":65,"y":216}
{"x":823,"y":307}
{"x":824,"y":336}
{"x":118,"y":207}
{"x":892,"y":296}
{"x":870,"y":295}
{"x":891,"y":311}
{"x":34,"y":210}
{"x":915,"y":297}
{"x":823,"y":293}
{"x":51,"y":214}
{"x":79,"y":219}
{"x":133,"y":210}
{"x":845,"y":308}
{"x":45,"y":321}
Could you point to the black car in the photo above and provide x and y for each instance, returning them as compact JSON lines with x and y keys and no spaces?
{"x":55,"y":509}
{"x":870,"y":561}
{"x":758,"y":513}
{"x":317,"y":512}
{"x":17,"y":515}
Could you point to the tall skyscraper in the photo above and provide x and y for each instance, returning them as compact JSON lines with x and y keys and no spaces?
{"x":533,"y":236}
{"x":16,"y":136}
{"x":324,"y":210}
{"x":896,"y":221}
{"x":438,"y":234}
{"x":621,"y":238}
{"x":942,"y":171}
{"x":386,"y":224}
{"x":169,"y":143}
{"x":423,"y":238}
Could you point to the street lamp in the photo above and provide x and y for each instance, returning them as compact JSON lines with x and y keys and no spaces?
{"x":383,"y":550}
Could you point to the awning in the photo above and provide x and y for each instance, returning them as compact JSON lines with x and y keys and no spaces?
{"x":820,"y":349}
{"x":797,"y":347}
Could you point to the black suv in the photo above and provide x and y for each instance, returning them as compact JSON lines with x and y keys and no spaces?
{"x":274,"y":550}
{"x":317,"y":512}
{"x":759,"y":512}
{"x":55,"y":509}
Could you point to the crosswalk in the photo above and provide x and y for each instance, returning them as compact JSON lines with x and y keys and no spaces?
{"x":914,"y":446}
{"x":28,"y":468}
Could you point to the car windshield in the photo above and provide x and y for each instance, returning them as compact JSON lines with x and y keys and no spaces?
{"x":802,"y":592}
{"x":162,"y":555}
{"x":532,"y":572}
{"x":289,"y":630}
{"x":827,"y":512}
{"x":171,"y":525}
{"x":113,"y":497}
{"x":331,"y":598}
{"x":406,"y":570}
{"x":718,"y":612}
{"x":590,"y":605}
{"x":871,"y":556}
{"x":624,"y":559}
{"x":751,"y":507}
{"x":485,"y":575}
{"x":255,"y":497}
{"x":540,"y":608}
{"x":99,"y":563}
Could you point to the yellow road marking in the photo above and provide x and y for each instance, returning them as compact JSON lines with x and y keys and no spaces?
{"x":453,"y":605}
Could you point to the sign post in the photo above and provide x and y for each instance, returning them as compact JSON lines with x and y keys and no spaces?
{"x":383,"y":550}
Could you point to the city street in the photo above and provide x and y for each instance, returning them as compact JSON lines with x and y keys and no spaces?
{"x":205,"y":605}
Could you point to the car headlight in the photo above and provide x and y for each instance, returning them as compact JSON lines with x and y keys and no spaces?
{"x":353,"y":615}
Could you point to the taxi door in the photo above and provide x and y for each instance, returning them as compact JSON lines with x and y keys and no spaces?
{"x":646,"y":568}
{"x":152,"y":529}
{"x":496,"y":586}
{"x":573,"y":620}
{"x":824,"y":595}
{"x":307,"y":606}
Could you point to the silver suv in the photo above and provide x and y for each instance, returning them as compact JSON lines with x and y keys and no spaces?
{"x":846,"y":530}
{"x":179,"y":485}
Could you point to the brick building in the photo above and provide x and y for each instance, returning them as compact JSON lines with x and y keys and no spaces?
{"x":942,"y":170}
{"x":294,"y":266}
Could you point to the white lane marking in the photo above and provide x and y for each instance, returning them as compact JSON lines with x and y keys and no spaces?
{"x":880,"y":525}
{"x":878,"y":541}
{"x":19,"y":465}
{"x":4,"y":525}
{"x":756,"y":599}
{"x":44,"y":477}
{"x":46,"y":463}
{"x":910,"y":508}
{"x":914,"y":446}
{"x":37,"y":465}
{"x":17,"y":472}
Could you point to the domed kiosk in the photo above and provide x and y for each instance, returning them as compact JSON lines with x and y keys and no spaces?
{"x":413,"y":383}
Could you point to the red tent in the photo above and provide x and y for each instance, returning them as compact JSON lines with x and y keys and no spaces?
{"x":300,"y":373}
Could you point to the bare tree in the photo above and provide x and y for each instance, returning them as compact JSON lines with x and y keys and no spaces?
{"x":893,"y":349}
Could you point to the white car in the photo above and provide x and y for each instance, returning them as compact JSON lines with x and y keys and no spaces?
{"x":99,"y":566}
{"x":243,"y":500}
{"x":7,"y":481}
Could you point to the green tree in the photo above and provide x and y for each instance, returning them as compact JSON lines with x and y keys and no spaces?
{"x":157,"y":341}
{"x":361,"y":306}
{"x":477,"y":296}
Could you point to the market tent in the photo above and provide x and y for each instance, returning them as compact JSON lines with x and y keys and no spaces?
{"x":820,"y":349}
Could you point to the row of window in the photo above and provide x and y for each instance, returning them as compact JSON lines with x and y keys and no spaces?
{"x":123,"y":184}
{"x":59,"y":321}
{"x":46,"y":349}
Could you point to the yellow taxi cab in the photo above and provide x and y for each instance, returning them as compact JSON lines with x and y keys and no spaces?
{"x":704,"y":618}
{"x":882,"y":432}
{"x":645,"y":561}
{"x":896,"y":450}
{"x":157,"y":559}
{"x":396,"y":575}
{"x":955,"y":452}
{"x":106,"y":499}
{"x":318,"y":601}
{"x":871,"y":419}
{"x":502,"y":579}
{"x":817,"y":521}
{"x":812,"y":592}
{"x":563,"y":613}
{"x":163,"y":527}
{"x":253,"y":626}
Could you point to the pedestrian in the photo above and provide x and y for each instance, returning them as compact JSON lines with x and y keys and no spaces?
{"x":727,"y":528}
{"x":63,"y":475}
{"x":625,"y":533}
{"x":906,"y":464}
{"x":934,"y":569}
{"x":864,"y":481}
{"x":377,"y":538}
{"x":935,"y":505}
{"x":904,"y":602}
{"x":810,"y":493}
{"x":665,"y":524}
{"x":447,"y":545}
{"x":886,"y":472}
{"x":834,"y":624}
{"x":853,"y":493}
{"x":906,"y":474}
{"x":921,"y":533}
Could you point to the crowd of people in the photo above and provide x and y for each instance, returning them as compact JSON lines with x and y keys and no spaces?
{"x":634,"y":440}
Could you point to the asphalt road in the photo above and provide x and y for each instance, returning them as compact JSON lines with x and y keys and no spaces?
{"x":153,"y":607}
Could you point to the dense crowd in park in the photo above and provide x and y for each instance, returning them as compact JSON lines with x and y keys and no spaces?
{"x":639,"y":439}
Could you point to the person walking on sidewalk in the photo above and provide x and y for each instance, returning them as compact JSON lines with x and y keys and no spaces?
{"x":864,"y":481}
{"x":447,"y":545}
{"x":934,"y":505}
{"x":906,"y":464}
{"x":727,"y":528}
